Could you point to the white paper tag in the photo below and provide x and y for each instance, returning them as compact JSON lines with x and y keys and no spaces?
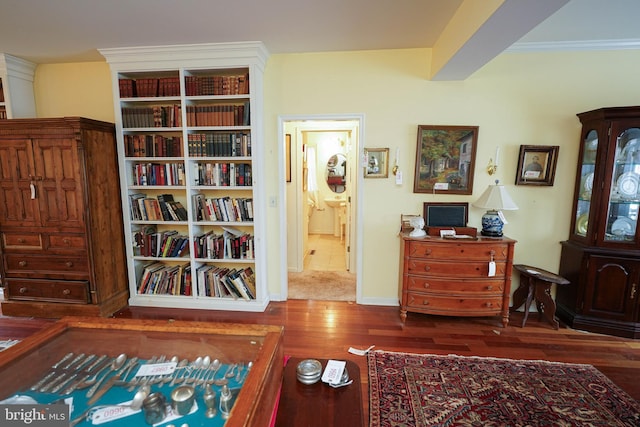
{"x":451,"y":232}
{"x":492,"y":268}
{"x":156,"y":369}
{"x":110,"y":413}
{"x":502,"y":217}
{"x":333,"y":371}
{"x":441,"y":186}
{"x":360,"y":352}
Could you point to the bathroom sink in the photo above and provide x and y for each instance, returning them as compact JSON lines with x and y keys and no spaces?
{"x":335,"y":203}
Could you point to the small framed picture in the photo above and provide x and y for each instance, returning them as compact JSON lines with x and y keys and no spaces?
{"x":377,"y":163}
{"x":537,"y":164}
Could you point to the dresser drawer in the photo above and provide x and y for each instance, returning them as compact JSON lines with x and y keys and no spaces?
{"x":458,"y":251}
{"x":455,"y":286}
{"x":22,"y":241}
{"x":473,"y":269}
{"x":459,"y":306}
{"x":20,"y":263}
{"x":65,"y":241}
{"x":48,"y":290}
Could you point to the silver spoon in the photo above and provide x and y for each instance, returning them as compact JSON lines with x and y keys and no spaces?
{"x":195,"y":365}
{"x":138,"y":398}
{"x":203,"y":370}
{"x":117,"y":363}
{"x":215,"y":366}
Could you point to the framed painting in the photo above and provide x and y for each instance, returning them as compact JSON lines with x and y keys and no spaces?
{"x":377,"y":163}
{"x":537,"y":164}
{"x":445,"y":159}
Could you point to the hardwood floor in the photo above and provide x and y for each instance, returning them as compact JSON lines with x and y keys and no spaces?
{"x":326,"y":329}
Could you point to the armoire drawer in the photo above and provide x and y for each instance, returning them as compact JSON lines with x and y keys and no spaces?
{"x":22,"y":241}
{"x":20,"y":263}
{"x":64,"y":241}
{"x":455,"y":286}
{"x":460,"y":306}
{"x":76,"y":292}
{"x":475,"y":269}
{"x":462,"y":252}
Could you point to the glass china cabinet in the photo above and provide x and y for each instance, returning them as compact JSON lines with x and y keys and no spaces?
{"x":601,"y":258}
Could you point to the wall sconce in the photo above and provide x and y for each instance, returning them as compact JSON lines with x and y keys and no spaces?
{"x":493,"y":167}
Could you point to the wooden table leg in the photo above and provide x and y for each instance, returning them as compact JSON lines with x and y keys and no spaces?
{"x":546,"y":304}
{"x":530,"y":294}
{"x":520,"y":294}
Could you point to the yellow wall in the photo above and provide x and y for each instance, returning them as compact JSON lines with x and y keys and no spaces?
{"x":515,"y":99}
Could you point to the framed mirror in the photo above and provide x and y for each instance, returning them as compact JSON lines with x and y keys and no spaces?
{"x":335,"y":174}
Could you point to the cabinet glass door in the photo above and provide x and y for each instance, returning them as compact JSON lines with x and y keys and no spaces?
{"x":624,"y":198}
{"x":587,"y":170}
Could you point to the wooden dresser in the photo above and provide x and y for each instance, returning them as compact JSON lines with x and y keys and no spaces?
{"x":61,"y":233}
{"x":450,"y":277}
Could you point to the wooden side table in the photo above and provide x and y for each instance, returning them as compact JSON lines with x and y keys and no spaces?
{"x":536,"y":283}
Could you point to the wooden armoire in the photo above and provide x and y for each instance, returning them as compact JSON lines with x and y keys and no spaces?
{"x":61,"y":226}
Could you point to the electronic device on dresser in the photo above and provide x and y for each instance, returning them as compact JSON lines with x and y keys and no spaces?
{"x":456,"y":276}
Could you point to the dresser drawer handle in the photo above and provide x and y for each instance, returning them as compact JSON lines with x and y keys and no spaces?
{"x":23,"y":290}
{"x":21,"y":240}
{"x":488,"y":304}
{"x":66,"y":241}
{"x":69,"y":264}
{"x":427,"y":252}
{"x":425,"y":302}
{"x":22,"y":263}
{"x":426,"y":285}
{"x":66,"y":292}
{"x":427,"y":268}
{"x":490,"y":288}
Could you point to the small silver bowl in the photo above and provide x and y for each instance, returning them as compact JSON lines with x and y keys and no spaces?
{"x":309,"y":371}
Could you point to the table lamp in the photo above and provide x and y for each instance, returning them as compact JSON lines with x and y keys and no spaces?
{"x":496,"y":199}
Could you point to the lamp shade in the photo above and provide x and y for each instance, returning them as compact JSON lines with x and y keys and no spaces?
{"x":495,"y":197}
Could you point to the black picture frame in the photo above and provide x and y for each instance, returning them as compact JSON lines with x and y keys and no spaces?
{"x":445,"y":159}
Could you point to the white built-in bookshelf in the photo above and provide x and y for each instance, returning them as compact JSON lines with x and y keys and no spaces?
{"x":189,"y":130}
{"x":16,"y":88}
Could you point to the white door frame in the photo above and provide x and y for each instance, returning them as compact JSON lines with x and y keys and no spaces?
{"x":356,"y":211}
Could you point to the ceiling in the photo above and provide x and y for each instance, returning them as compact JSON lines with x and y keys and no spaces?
{"x":46,"y":31}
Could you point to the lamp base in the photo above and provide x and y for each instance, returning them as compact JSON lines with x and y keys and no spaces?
{"x":492,"y":224}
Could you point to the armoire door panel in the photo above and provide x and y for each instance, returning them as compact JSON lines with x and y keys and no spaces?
{"x":18,"y":205}
{"x":608,"y":289}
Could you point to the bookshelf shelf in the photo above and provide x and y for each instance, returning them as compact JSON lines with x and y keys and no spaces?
{"x":195,"y":109}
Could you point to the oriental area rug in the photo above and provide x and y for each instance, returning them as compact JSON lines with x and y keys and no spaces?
{"x":429,"y":390}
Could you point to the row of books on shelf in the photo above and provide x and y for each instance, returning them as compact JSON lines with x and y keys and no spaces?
{"x":219,"y":144}
{"x":158,"y":174}
{"x":221,"y":282}
{"x":231,"y":244}
{"x":162,"y":279}
{"x":222,"y":174}
{"x":224,"y":209}
{"x":164,"y":208}
{"x":151,"y":145}
{"x":149,"y":87}
{"x":150,"y":242}
{"x":218,"y":115}
{"x":217,"y":85}
{"x":157,"y":116}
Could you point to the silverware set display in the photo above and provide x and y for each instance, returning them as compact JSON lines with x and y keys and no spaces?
{"x":97,"y":374}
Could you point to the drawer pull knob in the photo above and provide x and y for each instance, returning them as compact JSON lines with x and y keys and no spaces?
{"x":21,"y":240}
{"x":23,"y":290}
{"x":427,"y":252}
{"x":68,"y":264}
{"x":425,"y":302}
{"x":489,"y":304}
{"x":66,"y":241}
{"x":489,"y":288}
{"x":66,"y":292}
{"x":427,"y":268}
{"x":22,"y":263}
{"x":426,"y":285}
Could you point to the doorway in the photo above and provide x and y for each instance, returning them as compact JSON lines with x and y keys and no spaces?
{"x":322,"y":202}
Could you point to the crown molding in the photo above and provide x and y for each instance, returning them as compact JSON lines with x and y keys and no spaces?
{"x":620,"y":44}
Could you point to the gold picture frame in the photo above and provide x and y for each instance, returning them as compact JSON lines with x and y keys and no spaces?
{"x":377,"y":163}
